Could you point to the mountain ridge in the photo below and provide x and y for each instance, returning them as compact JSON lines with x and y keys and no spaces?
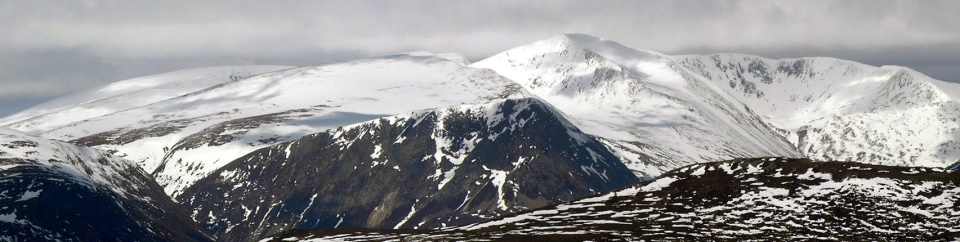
{"x":834,"y":109}
{"x":126,"y":94}
{"x":743,"y":199}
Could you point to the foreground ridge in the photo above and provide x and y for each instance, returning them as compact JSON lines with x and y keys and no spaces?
{"x":54,"y":191}
{"x":760,"y":198}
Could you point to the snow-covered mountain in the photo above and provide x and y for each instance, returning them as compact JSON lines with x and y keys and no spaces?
{"x":425,"y":169}
{"x":841,"y":110}
{"x":745,"y":199}
{"x":55,"y":191}
{"x":182,"y":139}
{"x":127,"y":94}
{"x":649,"y":109}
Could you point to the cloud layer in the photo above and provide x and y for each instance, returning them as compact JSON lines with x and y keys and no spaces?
{"x":51,"y":48}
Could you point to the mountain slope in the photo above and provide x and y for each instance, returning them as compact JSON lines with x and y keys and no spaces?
{"x":182,"y":139}
{"x":655,"y":114}
{"x":425,"y":169}
{"x":57,"y":191}
{"x":842,"y":110}
{"x":955,"y":166}
{"x":745,"y":199}
{"x":122,"y":95}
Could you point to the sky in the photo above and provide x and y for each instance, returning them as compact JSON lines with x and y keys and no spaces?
{"x":54,"y":48}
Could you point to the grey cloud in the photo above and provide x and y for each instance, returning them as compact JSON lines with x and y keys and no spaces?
{"x":12,"y":105}
{"x":55,"y":72}
{"x":148,"y":29}
{"x":72,"y":45}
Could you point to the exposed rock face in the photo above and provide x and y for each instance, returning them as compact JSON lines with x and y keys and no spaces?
{"x":766,"y":199}
{"x":426,"y":169}
{"x":57,"y":191}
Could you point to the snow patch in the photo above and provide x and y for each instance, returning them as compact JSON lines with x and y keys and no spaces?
{"x":659,"y":184}
{"x":29,"y":195}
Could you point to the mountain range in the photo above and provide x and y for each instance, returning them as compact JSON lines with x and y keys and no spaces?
{"x":428,"y":141}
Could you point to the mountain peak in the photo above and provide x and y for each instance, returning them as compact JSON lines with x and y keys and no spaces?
{"x":944,"y":90}
{"x":612,"y":50}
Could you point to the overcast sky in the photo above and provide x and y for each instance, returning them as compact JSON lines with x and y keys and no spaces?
{"x":52,"y":48}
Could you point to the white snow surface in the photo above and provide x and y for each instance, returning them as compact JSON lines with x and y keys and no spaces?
{"x":124,"y":95}
{"x":649,"y":110}
{"x":842,"y":110}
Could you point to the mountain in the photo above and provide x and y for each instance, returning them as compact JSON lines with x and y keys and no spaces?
{"x":425,"y":141}
{"x":127,"y":94}
{"x":182,"y":139}
{"x":650,"y":110}
{"x":425,"y":169}
{"x":54,"y":191}
{"x":743,"y":199}
{"x":842,"y":110}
